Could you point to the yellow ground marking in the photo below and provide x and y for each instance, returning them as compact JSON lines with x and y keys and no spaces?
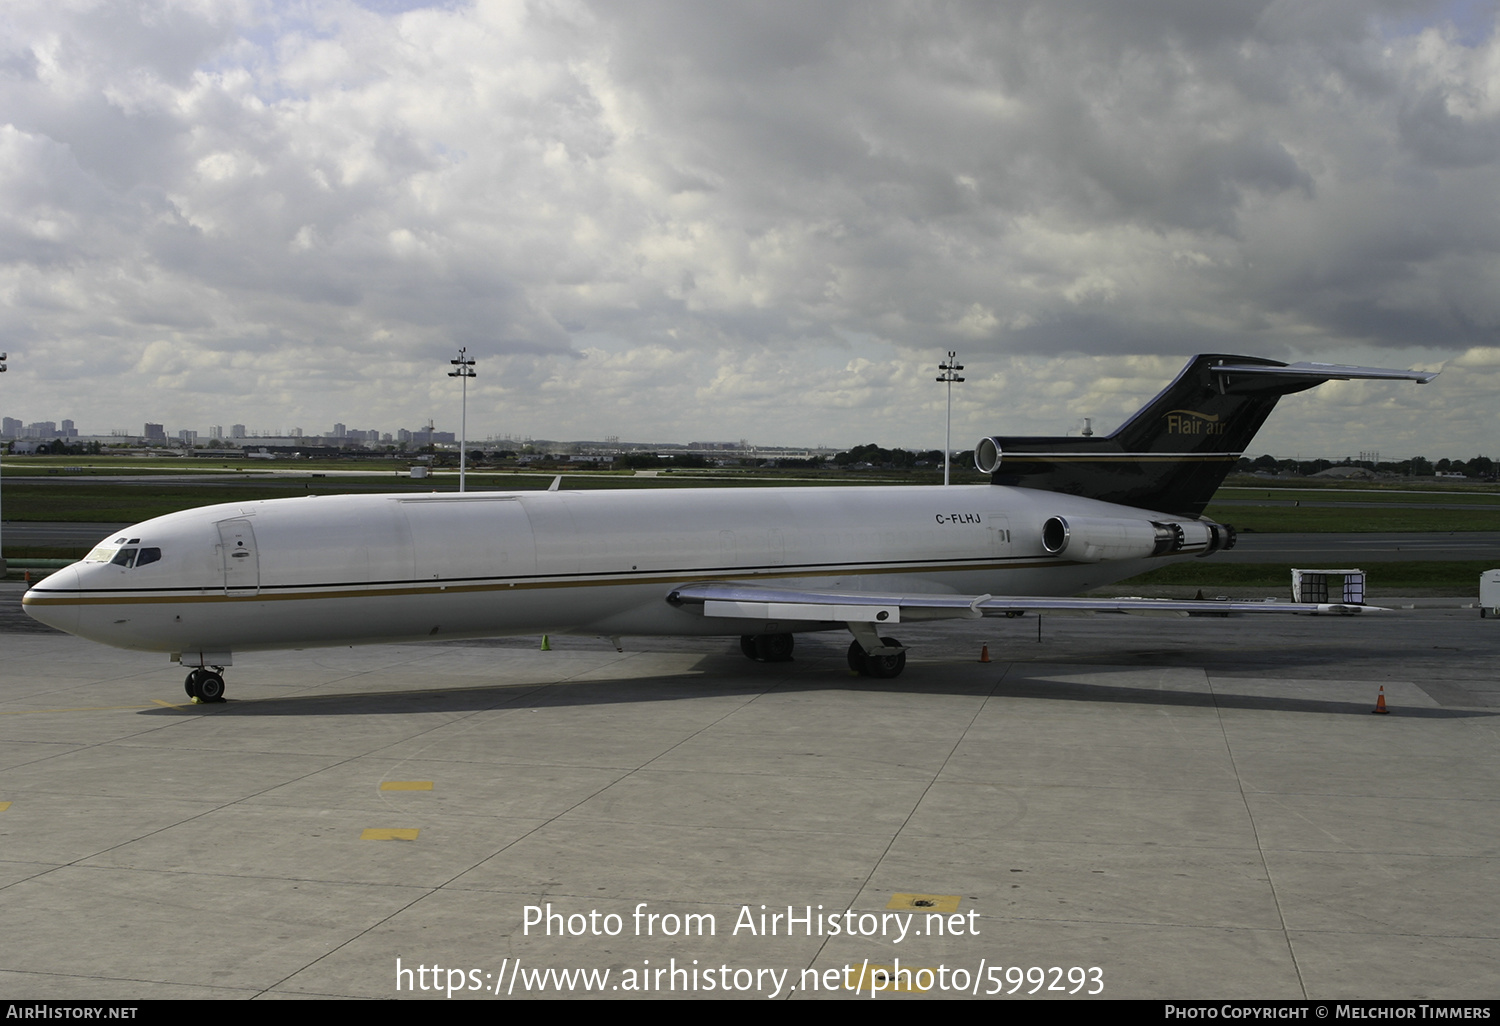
{"x":406,"y":785}
{"x":925,"y":902}
{"x":885,"y":978}
{"x":388,"y":834}
{"x":4,"y":806}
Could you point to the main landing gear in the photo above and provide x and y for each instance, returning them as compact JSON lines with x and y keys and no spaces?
{"x":881,"y":666}
{"x":767,"y":648}
{"x":206,"y":684}
{"x":886,"y":662}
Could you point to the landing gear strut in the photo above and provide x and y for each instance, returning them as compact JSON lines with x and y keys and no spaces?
{"x":767,"y":648}
{"x":880,"y":667}
{"x":205,"y":684}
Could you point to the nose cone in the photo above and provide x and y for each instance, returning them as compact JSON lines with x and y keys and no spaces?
{"x":54,"y":600}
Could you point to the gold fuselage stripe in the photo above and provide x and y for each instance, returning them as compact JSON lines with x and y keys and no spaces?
{"x":674,"y":577}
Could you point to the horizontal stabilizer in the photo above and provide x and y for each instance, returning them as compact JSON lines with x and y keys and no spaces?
{"x":1326,"y":372}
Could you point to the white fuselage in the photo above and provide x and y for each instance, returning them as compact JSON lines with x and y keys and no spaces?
{"x":352,"y":569}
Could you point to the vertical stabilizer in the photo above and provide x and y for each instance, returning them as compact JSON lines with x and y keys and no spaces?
{"x":1174,"y":453}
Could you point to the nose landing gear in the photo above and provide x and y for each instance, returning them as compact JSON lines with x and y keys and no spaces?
{"x":206,"y":684}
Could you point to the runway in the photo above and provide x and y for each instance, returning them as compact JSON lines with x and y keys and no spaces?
{"x":1344,"y":550}
{"x":58,"y":533}
{"x":1192,"y":807}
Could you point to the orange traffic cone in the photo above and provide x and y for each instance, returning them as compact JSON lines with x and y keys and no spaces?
{"x":984,"y":654}
{"x":1380,"y":703}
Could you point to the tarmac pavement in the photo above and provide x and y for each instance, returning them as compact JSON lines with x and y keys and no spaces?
{"x":1177,"y":808}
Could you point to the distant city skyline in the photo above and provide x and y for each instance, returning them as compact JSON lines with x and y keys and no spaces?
{"x":339,"y":432}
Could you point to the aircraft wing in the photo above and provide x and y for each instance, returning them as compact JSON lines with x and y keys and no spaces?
{"x":748,"y":601}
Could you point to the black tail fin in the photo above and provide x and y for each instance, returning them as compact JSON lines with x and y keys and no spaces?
{"x":1176,"y":451}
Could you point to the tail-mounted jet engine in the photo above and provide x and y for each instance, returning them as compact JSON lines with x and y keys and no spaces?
{"x":1093,"y":539}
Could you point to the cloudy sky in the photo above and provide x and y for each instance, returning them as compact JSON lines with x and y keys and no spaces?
{"x":694,"y":221}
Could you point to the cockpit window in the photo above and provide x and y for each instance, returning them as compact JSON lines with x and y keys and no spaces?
{"x":126,"y":558}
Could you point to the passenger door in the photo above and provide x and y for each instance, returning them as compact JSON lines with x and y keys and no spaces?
{"x":238,"y":558}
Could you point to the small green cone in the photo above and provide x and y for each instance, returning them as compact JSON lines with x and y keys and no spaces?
{"x":546,"y":644}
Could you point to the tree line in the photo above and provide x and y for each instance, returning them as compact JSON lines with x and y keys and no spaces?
{"x":1480,"y":467}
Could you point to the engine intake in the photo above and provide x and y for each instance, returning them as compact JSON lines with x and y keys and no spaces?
{"x":987,"y":455}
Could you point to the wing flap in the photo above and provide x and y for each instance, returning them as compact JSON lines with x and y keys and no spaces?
{"x":843,"y":611}
{"x":754,"y":602}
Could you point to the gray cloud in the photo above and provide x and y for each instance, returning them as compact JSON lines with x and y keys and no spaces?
{"x":759,"y":219}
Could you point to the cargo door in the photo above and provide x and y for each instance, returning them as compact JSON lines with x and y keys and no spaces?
{"x":469,"y":537}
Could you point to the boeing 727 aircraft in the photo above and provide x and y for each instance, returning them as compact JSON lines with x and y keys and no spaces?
{"x":1061,"y":515}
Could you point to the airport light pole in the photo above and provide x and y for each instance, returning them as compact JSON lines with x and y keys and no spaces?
{"x":949,"y":376}
{"x":465,"y":371}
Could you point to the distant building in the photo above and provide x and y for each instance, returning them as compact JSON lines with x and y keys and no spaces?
{"x":237,"y":431}
{"x":155,"y":433}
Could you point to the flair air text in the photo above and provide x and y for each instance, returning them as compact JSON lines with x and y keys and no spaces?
{"x":1191,"y":422}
